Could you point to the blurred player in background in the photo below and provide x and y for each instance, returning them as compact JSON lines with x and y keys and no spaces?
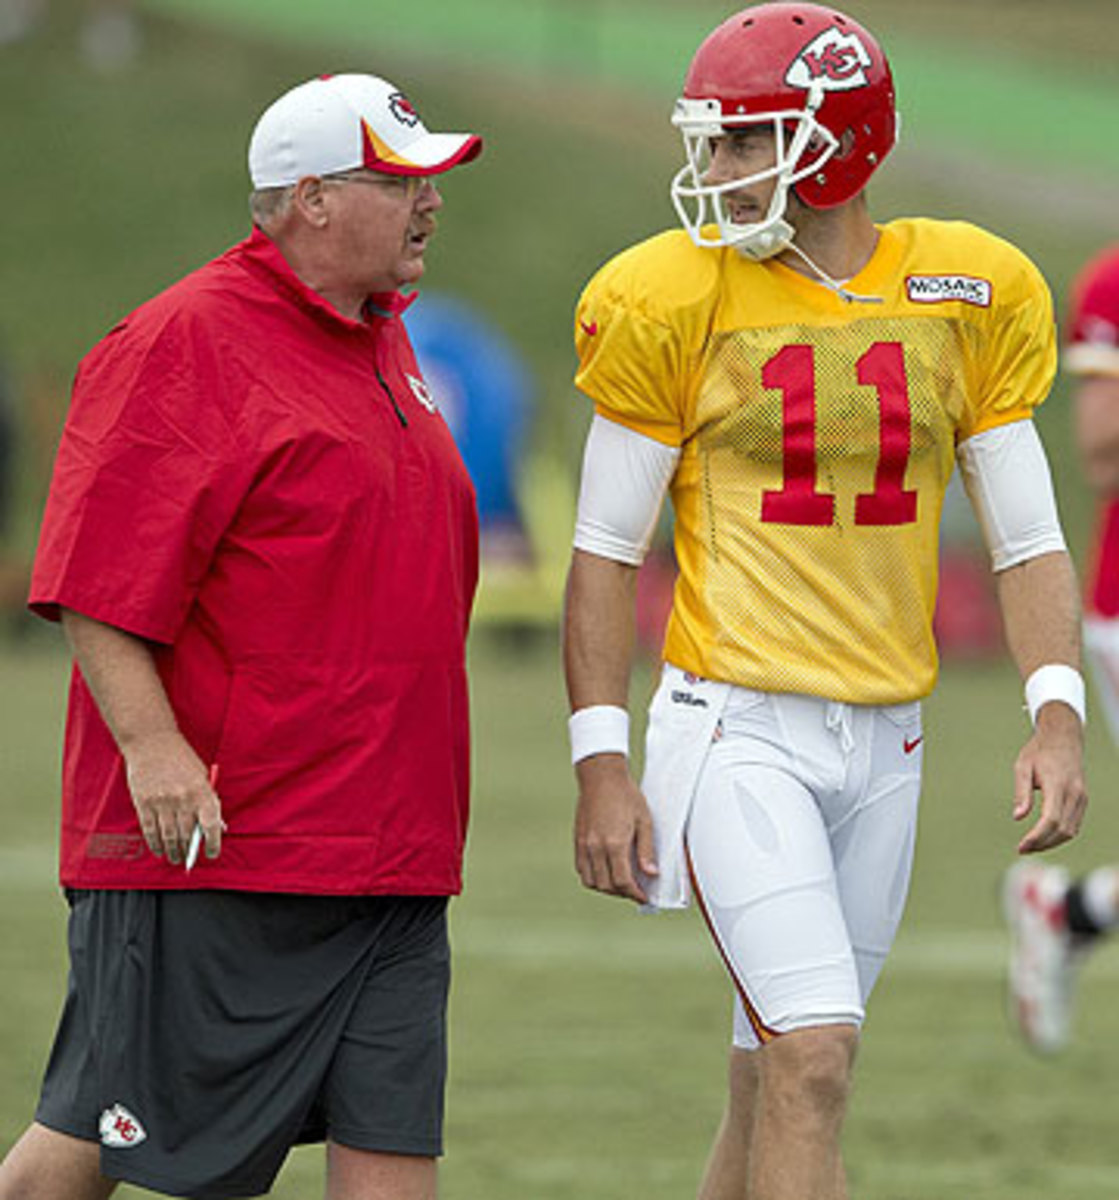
{"x":803,"y":382}
{"x":1055,"y":920}
{"x":262,"y":544}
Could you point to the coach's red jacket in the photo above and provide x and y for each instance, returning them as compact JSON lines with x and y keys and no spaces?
{"x":265,"y":491}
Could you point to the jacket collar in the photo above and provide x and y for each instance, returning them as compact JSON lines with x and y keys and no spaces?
{"x":264,"y":256}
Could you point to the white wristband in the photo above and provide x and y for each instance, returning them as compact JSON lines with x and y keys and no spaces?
{"x":599,"y":729}
{"x":1055,"y":681}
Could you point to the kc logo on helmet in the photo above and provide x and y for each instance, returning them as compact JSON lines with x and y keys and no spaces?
{"x":834,"y":60}
{"x":1098,"y":331}
{"x":401,"y":108}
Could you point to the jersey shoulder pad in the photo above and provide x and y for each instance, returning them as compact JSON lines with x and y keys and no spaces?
{"x":657,"y":278}
{"x":1001,"y":276}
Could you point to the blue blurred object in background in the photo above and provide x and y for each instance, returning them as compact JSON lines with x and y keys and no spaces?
{"x":525,"y":500}
{"x":484,"y":393}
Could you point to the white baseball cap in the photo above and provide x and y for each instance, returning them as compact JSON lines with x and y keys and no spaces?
{"x":342,"y":122}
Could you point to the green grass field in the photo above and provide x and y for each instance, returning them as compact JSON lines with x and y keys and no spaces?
{"x":588,"y":1043}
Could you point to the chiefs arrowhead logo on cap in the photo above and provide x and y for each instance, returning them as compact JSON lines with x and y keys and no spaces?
{"x":401,"y":108}
{"x":833,"y":60}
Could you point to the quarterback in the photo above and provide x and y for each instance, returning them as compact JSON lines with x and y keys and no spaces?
{"x":802,"y":382}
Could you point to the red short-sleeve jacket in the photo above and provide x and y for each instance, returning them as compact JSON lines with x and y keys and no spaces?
{"x":266,"y":492}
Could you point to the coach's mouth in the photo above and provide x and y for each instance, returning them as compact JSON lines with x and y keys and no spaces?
{"x":419,"y":237}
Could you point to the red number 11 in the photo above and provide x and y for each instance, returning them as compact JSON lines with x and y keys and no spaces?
{"x":792,"y":371}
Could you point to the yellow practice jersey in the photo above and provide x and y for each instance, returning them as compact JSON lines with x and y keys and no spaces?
{"x":818,"y":435}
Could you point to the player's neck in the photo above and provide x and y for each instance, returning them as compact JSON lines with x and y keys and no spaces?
{"x":840,"y":241}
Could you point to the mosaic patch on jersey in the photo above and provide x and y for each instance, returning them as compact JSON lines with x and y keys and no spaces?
{"x":939,"y":289}
{"x":834,"y":60}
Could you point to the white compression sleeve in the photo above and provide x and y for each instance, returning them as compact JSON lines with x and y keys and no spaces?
{"x":625,"y":477}
{"x":1006,"y":476}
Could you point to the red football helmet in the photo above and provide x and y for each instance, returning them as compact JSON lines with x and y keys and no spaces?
{"x":1092,"y":332}
{"x":819,"y":80}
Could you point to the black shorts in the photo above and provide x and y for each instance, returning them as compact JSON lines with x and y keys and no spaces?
{"x":205,"y":1033}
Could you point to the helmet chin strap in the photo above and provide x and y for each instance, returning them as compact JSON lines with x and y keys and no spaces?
{"x":767,"y":243}
{"x":761,"y":244}
{"x":840,"y":289}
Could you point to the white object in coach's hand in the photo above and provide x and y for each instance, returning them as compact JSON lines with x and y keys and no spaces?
{"x":196,"y":834}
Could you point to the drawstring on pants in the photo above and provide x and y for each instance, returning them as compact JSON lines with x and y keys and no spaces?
{"x":837,"y":720}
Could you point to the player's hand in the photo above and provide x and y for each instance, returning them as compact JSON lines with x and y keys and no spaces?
{"x":171,"y":791}
{"x":613,"y":828}
{"x":1051,"y":763}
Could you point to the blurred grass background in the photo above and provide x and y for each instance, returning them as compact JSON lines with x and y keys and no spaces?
{"x":588,"y":1044}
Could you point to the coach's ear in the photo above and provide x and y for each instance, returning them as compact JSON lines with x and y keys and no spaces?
{"x":308,"y":198}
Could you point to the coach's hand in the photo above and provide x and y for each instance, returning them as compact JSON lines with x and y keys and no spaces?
{"x":613,"y":828}
{"x":1051,"y":763}
{"x":171,"y":790}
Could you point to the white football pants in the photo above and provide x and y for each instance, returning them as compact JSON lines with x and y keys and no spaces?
{"x":800,"y":844}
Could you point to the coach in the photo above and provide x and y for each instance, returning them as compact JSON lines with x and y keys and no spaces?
{"x":262,"y":545}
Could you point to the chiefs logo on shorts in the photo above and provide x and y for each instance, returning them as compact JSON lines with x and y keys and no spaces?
{"x":120,"y":1129}
{"x":401,"y":108}
{"x":835,"y":60}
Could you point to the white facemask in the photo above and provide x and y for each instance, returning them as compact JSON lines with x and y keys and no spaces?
{"x":700,"y":205}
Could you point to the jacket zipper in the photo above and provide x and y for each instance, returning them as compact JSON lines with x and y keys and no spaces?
{"x":392,"y":399}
